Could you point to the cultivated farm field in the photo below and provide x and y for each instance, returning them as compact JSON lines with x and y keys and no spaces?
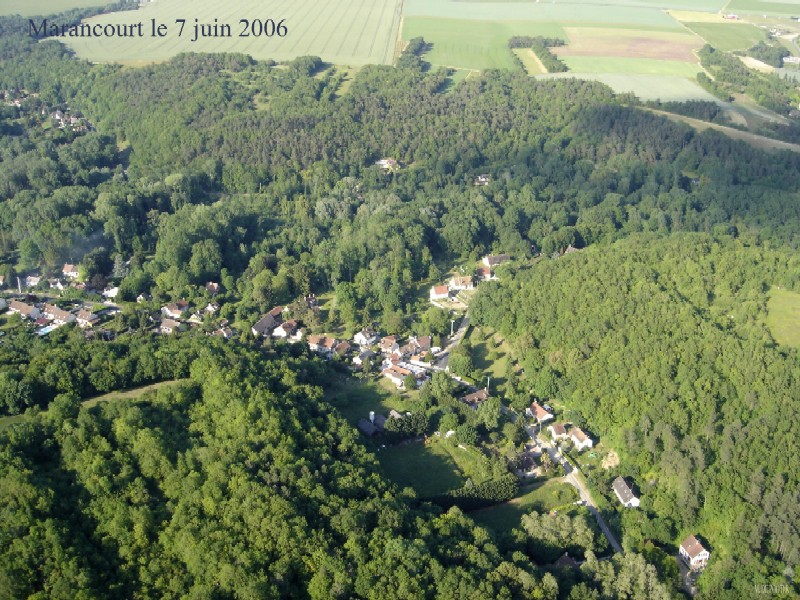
{"x":728,"y":36}
{"x":30,"y":8}
{"x":350,"y":32}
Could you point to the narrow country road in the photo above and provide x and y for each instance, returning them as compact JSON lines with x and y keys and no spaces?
{"x":572,"y":477}
{"x":441,"y":360}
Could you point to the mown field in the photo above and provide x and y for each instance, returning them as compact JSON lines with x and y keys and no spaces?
{"x":783,"y":317}
{"x":539,"y":497}
{"x":29,"y":8}
{"x":348,"y":32}
{"x":762,"y":7}
{"x":728,"y":36}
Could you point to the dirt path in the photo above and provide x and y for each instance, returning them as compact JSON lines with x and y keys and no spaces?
{"x":759,"y":141}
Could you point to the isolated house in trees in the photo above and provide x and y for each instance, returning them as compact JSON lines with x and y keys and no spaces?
{"x":580,"y":439}
{"x":693,"y":554}
{"x":492,"y":260}
{"x":537,"y":411}
{"x":440,"y":292}
{"x":475,"y":399}
{"x":624,"y":493}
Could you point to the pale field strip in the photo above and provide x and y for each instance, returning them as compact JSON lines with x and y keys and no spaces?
{"x":353,"y":32}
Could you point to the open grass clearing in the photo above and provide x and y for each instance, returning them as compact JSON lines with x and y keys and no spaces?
{"x":539,"y":497}
{"x":763,"y":7}
{"x":629,"y":66}
{"x":728,"y":36}
{"x":783,"y":316}
{"x":426,"y":467}
{"x":529,"y":60}
{"x":661,"y":45}
{"x":491,"y":361}
{"x":30,"y":8}
{"x":339,"y":31}
{"x":355,"y":398}
{"x":128,"y":394}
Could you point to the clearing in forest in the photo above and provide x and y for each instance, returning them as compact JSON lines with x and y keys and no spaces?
{"x":348,"y":32}
{"x":529,"y":60}
{"x":783,"y":316}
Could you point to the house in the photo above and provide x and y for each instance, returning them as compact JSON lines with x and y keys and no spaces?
{"x":196,"y":318}
{"x":213,"y":288}
{"x":482,"y":180}
{"x":322,"y":344}
{"x":492,"y":260}
{"x":537,"y":411}
{"x":342,"y":348}
{"x":364,"y":356}
{"x":396,"y":375}
{"x":693,"y":554}
{"x":70,"y":270}
{"x":557,"y":431}
{"x":462,"y":283}
{"x":418,"y":360}
{"x":474,"y":399}
{"x":423,"y":343}
{"x":566,"y":562}
{"x":174,"y":310}
{"x":268,"y":322}
{"x":225,"y":333}
{"x":580,"y":439}
{"x":389,"y":344}
{"x":212,"y":308}
{"x":440,"y":292}
{"x":143,"y":297}
{"x":26,"y":311}
{"x":624,"y":493}
{"x":58,"y":315}
{"x":31,"y":281}
{"x":365,"y":337}
{"x":484,"y":273}
{"x":388,"y":164}
{"x":86,"y":318}
{"x":311,"y":301}
{"x":110,"y":293}
{"x":56,"y":284}
{"x":289,"y":330}
{"x":168,"y":326}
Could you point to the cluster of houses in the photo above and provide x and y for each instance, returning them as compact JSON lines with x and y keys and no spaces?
{"x":71,"y":122}
{"x":558,"y":431}
{"x":459,"y":283}
{"x":62,"y":119}
{"x":409,"y":359}
{"x":46,"y":316}
{"x":176,"y":316}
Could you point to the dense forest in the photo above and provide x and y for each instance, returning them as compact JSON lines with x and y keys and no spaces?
{"x":659,"y":347}
{"x":242,"y":481}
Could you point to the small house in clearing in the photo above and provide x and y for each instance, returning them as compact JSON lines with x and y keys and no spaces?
{"x":475,"y":399}
{"x":693,"y":553}
{"x":624,"y":493}
{"x":580,"y":439}
{"x":440,"y":292}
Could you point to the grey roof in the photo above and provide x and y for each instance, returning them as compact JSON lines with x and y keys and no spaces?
{"x":623,"y":491}
{"x":367,"y":427}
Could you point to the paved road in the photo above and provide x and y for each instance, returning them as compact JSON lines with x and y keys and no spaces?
{"x":573,"y":478}
{"x":441,"y":360}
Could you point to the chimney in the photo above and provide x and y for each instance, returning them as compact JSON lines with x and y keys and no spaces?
{"x":488,"y":379}
{"x":372,"y":416}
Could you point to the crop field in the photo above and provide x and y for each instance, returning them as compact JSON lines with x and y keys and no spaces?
{"x":764,"y":8}
{"x":472,"y":44}
{"x":30,"y":8}
{"x":728,"y":36}
{"x":646,"y":87}
{"x":629,"y":43}
{"x":630,"y":66}
{"x":348,"y":32}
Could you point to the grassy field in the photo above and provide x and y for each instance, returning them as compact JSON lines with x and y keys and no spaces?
{"x":600,"y":41}
{"x":728,"y":36}
{"x":501,"y":355}
{"x":30,"y":8}
{"x":783,"y":317}
{"x":647,"y":87}
{"x":428,"y":468}
{"x":349,"y":32}
{"x":539,"y":497}
{"x":763,"y":8}
{"x":630,"y":66}
{"x":356,"y":398}
{"x":532,"y":64}
{"x":470,"y":44}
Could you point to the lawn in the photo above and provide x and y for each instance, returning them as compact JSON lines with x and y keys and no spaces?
{"x":356,"y":398}
{"x":496,"y":366}
{"x":728,"y":36}
{"x":30,"y":8}
{"x":339,"y":31}
{"x":541,"y":497}
{"x":426,"y":467}
{"x":783,"y":317}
